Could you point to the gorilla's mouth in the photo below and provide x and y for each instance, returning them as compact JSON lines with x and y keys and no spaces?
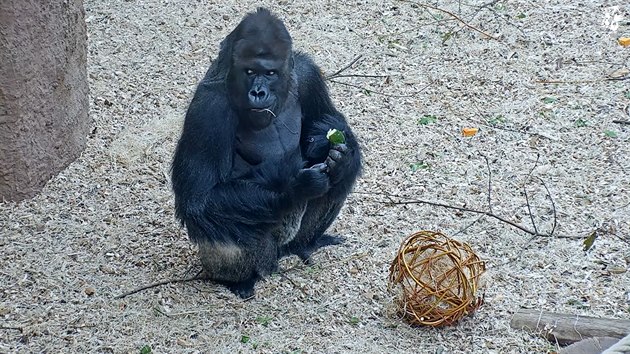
{"x":266,"y":109}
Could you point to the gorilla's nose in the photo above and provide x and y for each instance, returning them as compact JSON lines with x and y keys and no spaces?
{"x":258,"y":98}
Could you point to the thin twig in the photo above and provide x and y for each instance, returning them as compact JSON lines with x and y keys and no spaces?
{"x":489,"y":184}
{"x":383,"y":93}
{"x":328,"y":265}
{"x":264,"y":110}
{"x":372,"y":91}
{"x":581,"y":81}
{"x":357,"y":75}
{"x":621,"y":122}
{"x":12,"y":328}
{"x":464,"y":209}
{"x":160,"y":283}
{"x":286,"y":277}
{"x":529,"y":208}
{"x":488,"y":4}
{"x":333,"y":75}
{"x":500,"y":218}
{"x":529,"y":175}
{"x":553,"y":207}
{"x":452,"y":15}
{"x":468,"y":226}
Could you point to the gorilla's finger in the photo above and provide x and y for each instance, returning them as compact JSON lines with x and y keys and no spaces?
{"x":341,"y":148}
{"x":322,"y":167}
{"x":335,"y":155}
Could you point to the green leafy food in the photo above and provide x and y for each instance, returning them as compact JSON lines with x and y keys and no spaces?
{"x":589,"y":241}
{"x":336,"y":136}
{"x":610,"y":133}
{"x":146,"y":349}
{"x":427,"y":119}
{"x":244,"y":339}
{"x":549,"y":100}
{"x":496,"y":120}
{"x":580,"y":123}
{"x":354,"y":320}
{"x":419,"y":166}
{"x":263,"y":320}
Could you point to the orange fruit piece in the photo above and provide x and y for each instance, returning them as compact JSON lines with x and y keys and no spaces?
{"x":469,"y":131}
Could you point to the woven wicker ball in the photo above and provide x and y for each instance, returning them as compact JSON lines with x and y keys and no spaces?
{"x":435,"y":279}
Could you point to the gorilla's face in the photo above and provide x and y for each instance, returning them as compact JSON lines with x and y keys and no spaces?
{"x":260,"y":75}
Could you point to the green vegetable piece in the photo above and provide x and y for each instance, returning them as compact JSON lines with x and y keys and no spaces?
{"x":610,"y":133}
{"x":336,"y":136}
{"x":146,"y":349}
{"x":589,"y":241}
{"x":244,"y":339}
{"x":427,"y":119}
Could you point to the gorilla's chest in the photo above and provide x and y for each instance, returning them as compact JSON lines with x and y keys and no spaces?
{"x":280,"y":138}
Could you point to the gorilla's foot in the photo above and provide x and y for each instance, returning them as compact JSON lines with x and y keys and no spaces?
{"x":244,"y":289}
{"x":322,"y":241}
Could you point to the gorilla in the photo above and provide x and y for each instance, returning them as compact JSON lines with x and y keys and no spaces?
{"x":254,"y":176}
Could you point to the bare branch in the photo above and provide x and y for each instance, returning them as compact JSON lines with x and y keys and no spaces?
{"x":160,"y":283}
{"x":452,"y":15}
{"x":336,"y":73}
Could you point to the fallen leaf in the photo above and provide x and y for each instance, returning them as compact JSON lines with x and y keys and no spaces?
{"x":590,"y":240}
{"x":469,"y":131}
{"x":624,"y":41}
{"x":619,"y":73}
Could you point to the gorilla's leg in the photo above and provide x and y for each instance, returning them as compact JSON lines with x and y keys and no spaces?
{"x":239,"y":267}
{"x":320,"y":213}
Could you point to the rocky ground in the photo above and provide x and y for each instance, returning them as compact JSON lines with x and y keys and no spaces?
{"x":542,"y":83}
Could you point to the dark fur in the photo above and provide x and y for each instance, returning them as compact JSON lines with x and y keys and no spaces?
{"x":251,"y":186}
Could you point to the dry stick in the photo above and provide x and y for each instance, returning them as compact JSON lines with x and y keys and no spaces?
{"x":529,"y":209}
{"x":452,"y":15}
{"x":344,"y":260}
{"x":582,"y":81}
{"x":487,"y":213}
{"x":376,"y":92}
{"x":286,"y":277}
{"x":468,"y":226}
{"x":489,"y":184}
{"x":160,"y":283}
{"x":622,"y":122}
{"x":472,"y":16}
{"x":12,"y":328}
{"x":357,"y":75}
{"x":553,"y":207}
{"x":333,"y":75}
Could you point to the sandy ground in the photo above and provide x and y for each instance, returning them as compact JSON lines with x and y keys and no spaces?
{"x":105,"y":224}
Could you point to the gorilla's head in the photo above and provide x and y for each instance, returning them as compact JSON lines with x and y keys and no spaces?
{"x":260,"y":72}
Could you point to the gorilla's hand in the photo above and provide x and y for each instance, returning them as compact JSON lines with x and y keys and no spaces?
{"x":336,"y":161}
{"x":313,"y":182}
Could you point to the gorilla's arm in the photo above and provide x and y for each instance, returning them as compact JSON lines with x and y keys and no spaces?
{"x":213,"y":203}
{"x":320,"y":115}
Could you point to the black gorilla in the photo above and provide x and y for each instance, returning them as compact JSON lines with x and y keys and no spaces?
{"x":254,"y":175}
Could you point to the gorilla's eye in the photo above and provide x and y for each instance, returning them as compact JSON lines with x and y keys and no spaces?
{"x":271,"y":72}
{"x":249,"y":71}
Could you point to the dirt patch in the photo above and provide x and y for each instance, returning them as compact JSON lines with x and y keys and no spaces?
{"x":106,"y":225}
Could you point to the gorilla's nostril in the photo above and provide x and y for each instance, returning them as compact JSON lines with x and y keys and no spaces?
{"x":258,"y":94}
